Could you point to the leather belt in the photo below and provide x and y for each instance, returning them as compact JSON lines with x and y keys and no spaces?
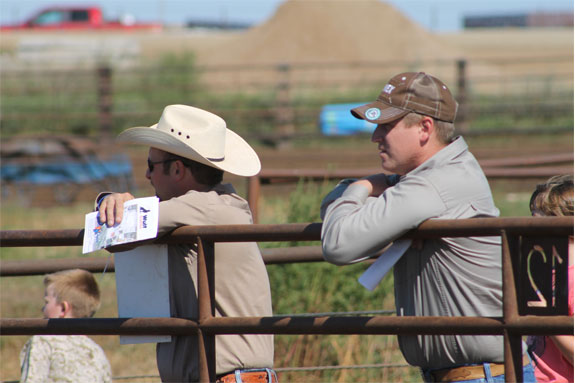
{"x":266,"y":375}
{"x":470,"y":372}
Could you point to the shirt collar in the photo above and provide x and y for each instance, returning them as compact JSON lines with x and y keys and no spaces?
{"x":456,"y":148}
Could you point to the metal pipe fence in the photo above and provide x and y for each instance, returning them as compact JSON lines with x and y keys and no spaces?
{"x":16,"y":268}
{"x":532,"y":167}
{"x":511,"y":325}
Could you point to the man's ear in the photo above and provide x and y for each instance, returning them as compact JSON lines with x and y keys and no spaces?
{"x":179,"y":169}
{"x":426,"y":129}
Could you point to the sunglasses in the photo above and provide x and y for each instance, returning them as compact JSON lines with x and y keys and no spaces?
{"x":152,"y":163}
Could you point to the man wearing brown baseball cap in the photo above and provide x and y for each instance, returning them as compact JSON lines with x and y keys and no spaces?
{"x":428,"y":173}
{"x":410,"y":92}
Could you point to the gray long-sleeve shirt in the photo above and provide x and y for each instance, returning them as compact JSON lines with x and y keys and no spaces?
{"x":445,"y":277}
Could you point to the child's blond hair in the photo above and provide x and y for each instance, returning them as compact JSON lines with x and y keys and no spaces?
{"x":77,"y":287}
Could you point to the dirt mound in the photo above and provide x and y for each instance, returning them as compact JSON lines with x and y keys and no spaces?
{"x":317,"y":31}
{"x":349,"y":39}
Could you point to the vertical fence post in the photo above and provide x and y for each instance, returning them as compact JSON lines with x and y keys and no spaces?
{"x":254,"y":186}
{"x":284,"y":110}
{"x":104,"y":75}
{"x":206,"y":295}
{"x":513,"y":350}
{"x":462,"y":111}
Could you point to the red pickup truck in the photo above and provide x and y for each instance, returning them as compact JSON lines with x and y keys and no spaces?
{"x":77,"y":18}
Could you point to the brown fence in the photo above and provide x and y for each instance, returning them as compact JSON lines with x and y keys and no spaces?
{"x":102,"y":100}
{"x":511,"y":325}
{"x":532,"y":167}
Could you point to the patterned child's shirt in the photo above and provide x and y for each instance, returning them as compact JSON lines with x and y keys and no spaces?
{"x":63,"y":358}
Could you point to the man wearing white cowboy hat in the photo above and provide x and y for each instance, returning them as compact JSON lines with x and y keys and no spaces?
{"x":189,"y":151}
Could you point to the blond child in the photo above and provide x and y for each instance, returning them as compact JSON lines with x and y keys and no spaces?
{"x":66,"y":358}
{"x":553,"y":355}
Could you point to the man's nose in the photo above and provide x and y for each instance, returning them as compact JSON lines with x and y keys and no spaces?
{"x":148,"y":174}
{"x":377,"y":135}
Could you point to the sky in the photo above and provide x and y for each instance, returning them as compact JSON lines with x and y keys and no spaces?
{"x":434,"y":15}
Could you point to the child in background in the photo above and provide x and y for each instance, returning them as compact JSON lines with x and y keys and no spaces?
{"x":553,"y":355}
{"x":66,"y":358}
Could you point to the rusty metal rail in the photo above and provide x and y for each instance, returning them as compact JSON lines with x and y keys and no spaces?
{"x":19,"y":268}
{"x":512,"y":326}
{"x":532,"y":167}
{"x":303,"y":231}
{"x":539,"y":160}
{"x":268,"y":176}
{"x":326,"y":325}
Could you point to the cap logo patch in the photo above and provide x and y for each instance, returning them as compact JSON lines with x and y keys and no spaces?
{"x":388,"y":88}
{"x":372,"y":113}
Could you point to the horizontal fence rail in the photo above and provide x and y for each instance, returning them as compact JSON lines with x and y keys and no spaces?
{"x":16,"y":268}
{"x":102,"y":99}
{"x":511,"y":325}
{"x":303,"y":231}
{"x":517,"y":168}
{"x":332,"y":325}
{"x":291,"y":175}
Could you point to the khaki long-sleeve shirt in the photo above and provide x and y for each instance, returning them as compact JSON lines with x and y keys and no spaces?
{"x":242,"y":285}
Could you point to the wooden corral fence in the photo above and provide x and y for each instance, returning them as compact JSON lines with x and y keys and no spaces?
{"x":102,"y":100}
{"x":512,"y":325}
{"x":532,"y":167}
{"x":283,"y":111}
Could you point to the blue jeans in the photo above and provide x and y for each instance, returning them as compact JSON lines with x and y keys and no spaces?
{"x":528,"y":376}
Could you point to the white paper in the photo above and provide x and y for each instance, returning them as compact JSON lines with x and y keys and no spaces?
{"x":142,"y":287}
{"x":140,"y":222}
{"x":375,"y":273}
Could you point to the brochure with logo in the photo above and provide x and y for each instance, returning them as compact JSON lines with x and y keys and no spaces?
{"x":378,"y":269}
{"x":140,"y":222}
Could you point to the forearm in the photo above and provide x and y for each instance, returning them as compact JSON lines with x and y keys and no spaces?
{"x":355,"y":228}
{"x":352,"y":229}
{"x":338,"y":244}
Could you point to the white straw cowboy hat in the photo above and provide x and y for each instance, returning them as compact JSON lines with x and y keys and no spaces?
{"x":200,"y":136}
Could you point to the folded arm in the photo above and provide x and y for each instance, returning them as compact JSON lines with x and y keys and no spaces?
{"x":356,"y":226}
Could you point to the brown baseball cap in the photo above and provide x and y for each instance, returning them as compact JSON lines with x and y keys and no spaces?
{"x":410,"y":92}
